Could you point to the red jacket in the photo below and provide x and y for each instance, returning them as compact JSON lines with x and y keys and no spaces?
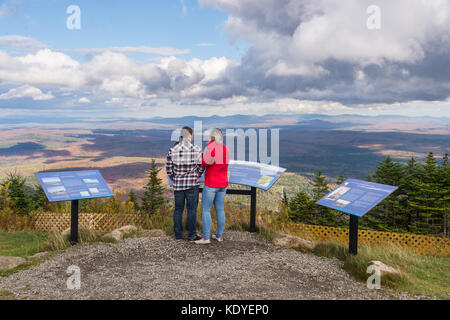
{"x":216,"y":159}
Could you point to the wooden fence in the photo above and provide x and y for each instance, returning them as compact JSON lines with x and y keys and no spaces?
{"x":106,"y":222}
{"x":418,"y":243}
{"x":58,"y":222}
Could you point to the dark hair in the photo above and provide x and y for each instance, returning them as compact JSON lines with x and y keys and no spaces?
{"x":189,"y":129}
{"x":186,"y":128}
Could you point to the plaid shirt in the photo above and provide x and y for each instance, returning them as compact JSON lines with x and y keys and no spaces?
{"x":184,"y":165}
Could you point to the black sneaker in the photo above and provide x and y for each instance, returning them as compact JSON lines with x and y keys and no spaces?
{"x":197,"y":237}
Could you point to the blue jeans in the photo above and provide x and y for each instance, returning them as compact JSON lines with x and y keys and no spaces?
{"x":189,"y":196}
{"x":210,"y":196}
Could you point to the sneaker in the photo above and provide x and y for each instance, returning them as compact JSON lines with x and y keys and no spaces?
{"x":195,"y":238}
{"x":203,"y":241}
{"x":214,"y":237}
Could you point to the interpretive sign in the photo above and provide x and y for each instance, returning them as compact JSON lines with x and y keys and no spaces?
{"x":356,"y":197}
{"x":253,"y":174}
{"x":73,"y":185}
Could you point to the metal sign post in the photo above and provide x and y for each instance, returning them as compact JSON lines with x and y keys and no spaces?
{"x":252,"y":194}
{"x":353,"y":235}
{"x":74,"y":222}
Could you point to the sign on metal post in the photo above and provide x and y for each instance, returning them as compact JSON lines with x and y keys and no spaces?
{"x":356,"y":197}
{"x":73,"y":186}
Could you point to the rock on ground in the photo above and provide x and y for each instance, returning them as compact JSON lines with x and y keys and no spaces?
{"x":288,"y":241}
{"x":119,"y":233}
{"x":40,"y":255}
{"x":7,"y":263}
{"x":244,"y":266}
{"x":115,"y":234}
{"x":384,"y":268}
{"x":66,"y":233}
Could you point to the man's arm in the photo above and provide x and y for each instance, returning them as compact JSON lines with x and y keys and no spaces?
{"x":198,"y":162}
{"x":169,"y":164}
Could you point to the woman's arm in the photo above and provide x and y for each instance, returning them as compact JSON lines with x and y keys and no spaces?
{"x":208,"y":156}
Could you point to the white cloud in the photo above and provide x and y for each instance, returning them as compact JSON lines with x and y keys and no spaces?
{"x":21,"y":43}
{"x":44,"y":67}
{"x":26,"y":91}
{"x":312,"y":31}
{"x":84,"y":100}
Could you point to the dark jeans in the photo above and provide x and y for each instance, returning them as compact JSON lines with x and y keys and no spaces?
{"x":190,"y":197}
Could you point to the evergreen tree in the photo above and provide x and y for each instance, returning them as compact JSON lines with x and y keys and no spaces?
{"x":132,"y":198}
{"x":320,"y":186}
{"x":301,"y":208}
{"x":444,"y":200}
{"x":383,"y":217}
{"x":340,"y":180}
{"x":19,"y":193}
{"x":427,"y":200}
{"x":152,"y":198}
{"x":285,"y":199}
{"x":408,"y":190}
{"x":323,"y":215}
{"x":39,"y":198}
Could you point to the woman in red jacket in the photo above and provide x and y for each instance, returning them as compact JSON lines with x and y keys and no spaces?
{"x":215,"y":160}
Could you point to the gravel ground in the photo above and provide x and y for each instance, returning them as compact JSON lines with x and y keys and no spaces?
{"x":244,"y":266}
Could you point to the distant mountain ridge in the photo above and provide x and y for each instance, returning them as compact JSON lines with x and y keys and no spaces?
{"x":305,"y":121}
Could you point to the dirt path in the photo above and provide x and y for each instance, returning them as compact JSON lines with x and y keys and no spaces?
{"x":244,"y":266}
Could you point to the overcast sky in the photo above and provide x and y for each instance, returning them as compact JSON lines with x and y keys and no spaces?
{"x":187,"y":57}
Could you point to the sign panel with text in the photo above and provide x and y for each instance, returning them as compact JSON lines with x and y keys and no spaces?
{"x":73,"y":185}
{"x":253,"y":174}
{"x":356,"y":197}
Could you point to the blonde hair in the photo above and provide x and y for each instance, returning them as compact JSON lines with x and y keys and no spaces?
{"x":216,"y":135}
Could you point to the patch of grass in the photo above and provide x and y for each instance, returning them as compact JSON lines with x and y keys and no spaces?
{"x":22,"y":244}
{"x":25,"y":244}
{"x":421,"y":274}
{"x":6,"y":295}
{"x":266,"y":233}
{"x":23,"y":266}
{"x":57,"y":241}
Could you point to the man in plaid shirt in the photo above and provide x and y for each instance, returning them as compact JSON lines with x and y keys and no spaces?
{"x":184,"y":168}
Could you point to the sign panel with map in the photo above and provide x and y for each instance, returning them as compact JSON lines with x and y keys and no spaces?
{"x":356,"y":197}
{"x":73,"y":185}
{"x":253,"y":174}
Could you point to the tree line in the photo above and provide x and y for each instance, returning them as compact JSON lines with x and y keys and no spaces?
{"x":18,"y":198}
{"x":421,"y":204}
